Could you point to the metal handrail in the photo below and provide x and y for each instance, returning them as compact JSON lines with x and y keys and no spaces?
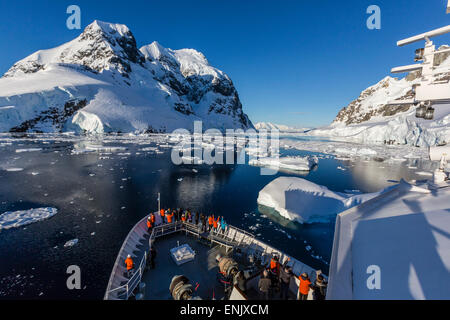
{"x":168,"y":228}
{"x":134,"y":281}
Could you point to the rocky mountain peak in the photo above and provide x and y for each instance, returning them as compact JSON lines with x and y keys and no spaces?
{"x":101,"y":46}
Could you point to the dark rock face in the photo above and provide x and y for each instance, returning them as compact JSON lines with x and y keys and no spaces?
{"x":54,"y":115}
{"x":109,"y":47}
{"x":30,"y":67}
{"x":193,"y":87}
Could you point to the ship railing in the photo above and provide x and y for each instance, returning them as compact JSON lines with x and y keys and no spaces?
{"x":132,"y":283}
{"x":232,"y":237}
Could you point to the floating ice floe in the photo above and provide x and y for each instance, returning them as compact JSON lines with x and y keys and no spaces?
{"x":28,"y":150}
{"x":288,"y":163}
{"x":423,"y":173}
{"x":303,"y":201}
{"x":14,"y":169}
{"x":349,"y":151}
{"x":70,"y":243}
{"x":191,"y":160}
{"x":21,"y":218}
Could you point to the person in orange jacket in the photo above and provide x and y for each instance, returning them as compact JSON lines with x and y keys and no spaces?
{"x":275,"y":266}
{"x":304,"y":286}
{"x":210,"y":222}
{"x":162,"y":213}
{"x":152,"y":218}
{"x":183,"y":217}
{"x":130,"y":266}
{"x":216,"y":224}
{"x":149,"y":225}
{"x":169,"y":217}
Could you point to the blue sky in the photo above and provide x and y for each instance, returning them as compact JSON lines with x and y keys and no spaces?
{"x":294,"y":62}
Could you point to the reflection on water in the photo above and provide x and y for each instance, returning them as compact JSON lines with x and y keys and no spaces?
{"x":100,"y":194}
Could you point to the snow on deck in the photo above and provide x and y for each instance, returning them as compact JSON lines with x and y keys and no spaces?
{"x":17,"y":219}
{"x":406,"y":233}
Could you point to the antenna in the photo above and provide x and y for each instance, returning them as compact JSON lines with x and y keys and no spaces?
{"x":426,"y":35}
{"x":427,"y":92}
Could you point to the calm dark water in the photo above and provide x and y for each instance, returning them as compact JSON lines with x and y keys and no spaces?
{"x":101,"y":196}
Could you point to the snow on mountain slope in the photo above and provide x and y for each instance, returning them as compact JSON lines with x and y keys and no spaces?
{"x":281,"y":128}
{"x":369,"y":118}
{"x":101,"y":82}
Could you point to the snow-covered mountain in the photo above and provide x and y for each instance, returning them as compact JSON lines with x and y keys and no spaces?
{"x":279,"y":127}
{"x":369,"y":118}
{"x":101,"y":82}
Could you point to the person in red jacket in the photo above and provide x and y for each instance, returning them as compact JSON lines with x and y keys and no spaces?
{"x":304,"y":286}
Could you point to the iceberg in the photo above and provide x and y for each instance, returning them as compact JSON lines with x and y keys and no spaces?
{"x":303,"y":201}
{"x":287,"y":163}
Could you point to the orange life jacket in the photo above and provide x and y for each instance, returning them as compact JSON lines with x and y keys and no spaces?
{"x":215,"y":222}
{"x":274,"y":266}
{"x":162,"y":212}
{"x":169,"y":218}
{"x":149,"y":223}
{"x":129,"y":263}
{"x":210,"y":220}
{"x":152,"y":218}
{"x":304,"y":286}
{"x":183,"y":218}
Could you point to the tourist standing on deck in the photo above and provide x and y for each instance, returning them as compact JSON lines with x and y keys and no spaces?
{"x":304,"y":286}
{"x":223,"y":225}
{"x":275,"y":265}
{"x":320,"y":288}
{"x":203,"y":221}
{"x":210,"y":222}
{"x":285,"y":280}
{"x":216,"y":224}
{"x":152,"y":218}
{"x":168,"y":211}
{"x":130,"y":266}
{"x":162,"y":213}
{"x":149,"y":225}
{"x":196,"y":218}
{"x":169,"y":217}
{"x":264,"y":286}
{"x":152,"y":256}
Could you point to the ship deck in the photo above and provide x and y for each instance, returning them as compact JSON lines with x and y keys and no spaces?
{"x":202,"y":271}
